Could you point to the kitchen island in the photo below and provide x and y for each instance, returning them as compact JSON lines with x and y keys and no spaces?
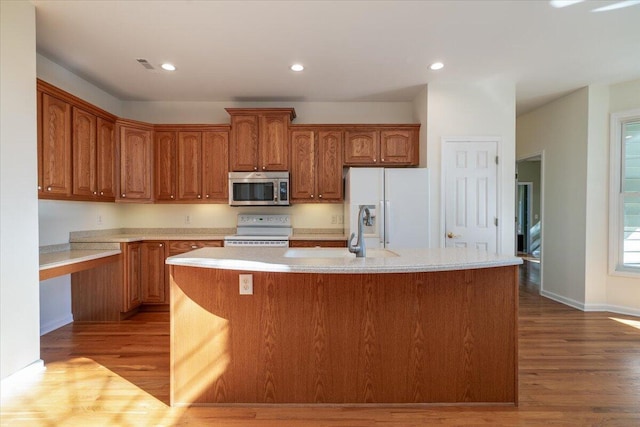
{"x":323,"y":327}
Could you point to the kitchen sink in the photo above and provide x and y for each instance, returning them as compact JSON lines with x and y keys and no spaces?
{"x":335,"y":253}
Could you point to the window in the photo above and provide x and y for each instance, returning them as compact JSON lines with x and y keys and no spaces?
{"x":625,"y":192}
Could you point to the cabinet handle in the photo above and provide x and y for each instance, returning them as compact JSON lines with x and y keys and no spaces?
{"x":199,"y":196}
{"x":255,"y":168}
{"x":123,"y":195}
{"x":320,"y":196}
{"x":172,"y":196}
{"x":102,"y":193}
{"x":194,"y":246}
{"x":382,"y":160}
{"x":95,"y":193}
{"x":374,"y":160}
{"x":39,"y":187}
{"x":207,"y":196}
{"x":264,"y":167}
{"x":312,"y":196}
{"x":160,"y":245}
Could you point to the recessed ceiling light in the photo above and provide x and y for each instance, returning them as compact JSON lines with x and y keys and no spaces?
{"x":436,"y":66}
{"x":563,"y":3}
{"x":297,"y":67}
{"x":168,"y":67}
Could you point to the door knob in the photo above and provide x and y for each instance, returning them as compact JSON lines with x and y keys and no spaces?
{"x":450,"y":235}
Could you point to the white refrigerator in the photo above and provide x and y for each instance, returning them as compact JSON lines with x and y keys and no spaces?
{"x":398,"y":200}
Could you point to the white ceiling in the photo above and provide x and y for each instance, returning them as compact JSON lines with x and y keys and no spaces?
{"x":352,"y":50}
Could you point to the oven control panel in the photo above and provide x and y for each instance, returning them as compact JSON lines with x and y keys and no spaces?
{"x":270,"y":220}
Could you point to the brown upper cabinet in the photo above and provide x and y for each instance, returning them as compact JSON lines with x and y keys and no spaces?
{"x":54,"y":143}
{"x":191,"y":163}
{"x":316,"y":165}
{"x":135,"y":150}
{"x":93,"y":156}
{"x":86,"y":153}
{"x":76,"y":148}
{"x":259,"y":139}
{"x":385,"y":145}
{"x":165,"y":149}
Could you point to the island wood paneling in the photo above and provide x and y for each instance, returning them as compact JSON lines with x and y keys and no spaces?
{"x":439,"y":337}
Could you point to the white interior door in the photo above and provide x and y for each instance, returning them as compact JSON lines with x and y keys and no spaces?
{"x":470,"y":194}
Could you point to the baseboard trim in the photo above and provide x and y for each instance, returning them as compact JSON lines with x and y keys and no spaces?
{"x":618,"y":309}
{"x":20,"y":376}
{"x":629,"y":311}
{"x":54,"y":324}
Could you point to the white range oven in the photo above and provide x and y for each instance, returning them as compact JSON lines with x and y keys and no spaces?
{"x":271,"y":230}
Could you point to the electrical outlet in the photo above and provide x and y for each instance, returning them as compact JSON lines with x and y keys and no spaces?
{"x":340,"y":219}
{"x":334,"y":219}
{"x":246,"y":284}
{"x":187,"y":219}
{"x":99,"y":219}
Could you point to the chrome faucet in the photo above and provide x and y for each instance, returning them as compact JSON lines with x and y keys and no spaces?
{"x":364,"y":218}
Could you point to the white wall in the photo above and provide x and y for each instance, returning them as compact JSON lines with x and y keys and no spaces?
{"x":597,"y":189}
{"x":306,"y":112}
{"x":420,"y":115}
{"x":560,"y":130}
{"x":19,"y":329}
{"x":64,"y":79}
{"x":473,"y":109}
{"x":574,"y":133}
{"x":623,"y":293}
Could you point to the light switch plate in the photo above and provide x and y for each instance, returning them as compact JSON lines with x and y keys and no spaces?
{"x":246,"y":284}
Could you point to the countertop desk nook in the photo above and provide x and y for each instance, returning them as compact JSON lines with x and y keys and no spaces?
{"x":319,"y":326}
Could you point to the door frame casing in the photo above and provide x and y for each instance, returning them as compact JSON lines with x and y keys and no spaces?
{"x":527,"y":232}
{"x":444,"y":141}
{"x":540,"y":155}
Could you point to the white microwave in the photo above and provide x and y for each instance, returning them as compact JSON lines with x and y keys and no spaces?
{"x":259,"y":188}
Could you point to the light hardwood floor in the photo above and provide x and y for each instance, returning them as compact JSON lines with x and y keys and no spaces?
{"x":576,"y":369}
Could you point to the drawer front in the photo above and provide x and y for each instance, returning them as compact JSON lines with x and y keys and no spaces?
{"x":318,"y":243}
{"x":177,"y":247}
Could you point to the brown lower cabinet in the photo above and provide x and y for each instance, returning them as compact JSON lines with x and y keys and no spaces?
{"x":139,"y":280}
{"x":318,"y":243}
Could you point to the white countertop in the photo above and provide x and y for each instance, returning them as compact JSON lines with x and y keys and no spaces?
{"x":329,"y":260}
{"x":59,"y":259}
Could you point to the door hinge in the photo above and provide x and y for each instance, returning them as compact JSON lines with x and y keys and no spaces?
{"x":495,"y":221}
{"x":496,"y":160}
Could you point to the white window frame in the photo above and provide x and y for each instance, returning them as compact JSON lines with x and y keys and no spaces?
{"x":616,"y":200}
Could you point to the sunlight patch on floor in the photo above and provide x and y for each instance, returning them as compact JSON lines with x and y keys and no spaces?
{"x":633,"y":323}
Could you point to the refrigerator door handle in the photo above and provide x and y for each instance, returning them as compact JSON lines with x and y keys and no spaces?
{"x":382,"y":225}
{"x":387,"y":222}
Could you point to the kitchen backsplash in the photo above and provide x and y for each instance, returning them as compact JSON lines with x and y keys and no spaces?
{"x":59,"y":218}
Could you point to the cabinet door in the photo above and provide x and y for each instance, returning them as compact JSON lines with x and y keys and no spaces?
{"x":274,"y":143}
{"x":361,"y":147}
{"x":135,"y":163}
{"x":215,"y":166}
{"x":303,"y":165}
{"x":244,"y":143}
{"x":329,"y":173}
{"x":165,"y":149}
{"x":84,"y":153}
{"x":131,"y":290}
{"x":56,"y":147}
{"x":399,"y":147}
{"x":152,"y":273}
{"x":189,"y":164}
{"x":105,"y":159}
